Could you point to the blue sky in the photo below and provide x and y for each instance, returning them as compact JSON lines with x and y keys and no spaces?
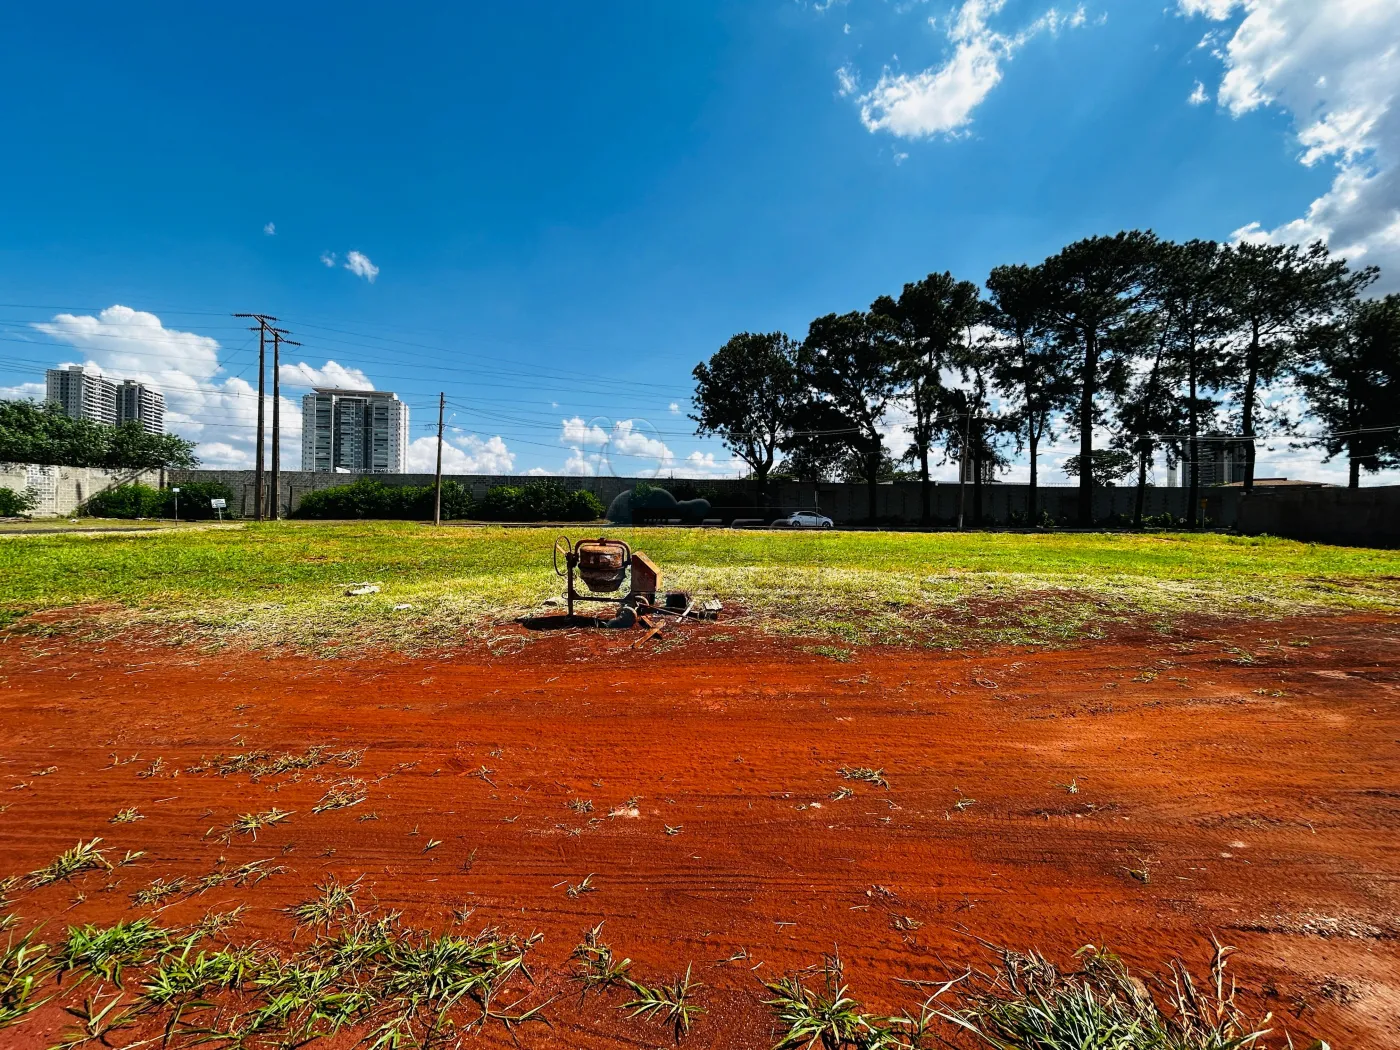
{"x":552,"y":212}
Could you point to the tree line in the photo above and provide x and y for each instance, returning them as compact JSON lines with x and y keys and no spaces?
{"x":41,"y":433}
{"x":1165,"y":346}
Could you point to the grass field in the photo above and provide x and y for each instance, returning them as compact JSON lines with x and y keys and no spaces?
{"x":285,"y":582}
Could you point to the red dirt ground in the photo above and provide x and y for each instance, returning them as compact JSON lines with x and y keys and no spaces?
{"x":1261,"y":799}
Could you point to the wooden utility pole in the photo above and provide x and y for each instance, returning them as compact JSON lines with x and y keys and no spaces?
{"x":278,"y":338}
{"x":264,"y":321}
{"x":437,"y":482}
{"x":962,"y":468}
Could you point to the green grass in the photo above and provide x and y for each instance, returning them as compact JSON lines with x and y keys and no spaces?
{"x":278,"y":583}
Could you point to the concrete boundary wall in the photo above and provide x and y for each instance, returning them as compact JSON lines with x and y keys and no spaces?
{"x":844,"y":502}
{"x":1364,"y":517}
{"x":63,"y":490}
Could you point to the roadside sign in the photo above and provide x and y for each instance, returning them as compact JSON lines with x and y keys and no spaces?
{"x":218,"y":504}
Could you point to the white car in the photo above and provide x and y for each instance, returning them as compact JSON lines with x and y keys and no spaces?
{"x":805,"y":519}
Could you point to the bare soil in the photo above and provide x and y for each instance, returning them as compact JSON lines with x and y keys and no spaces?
{"x":1140,"y":792}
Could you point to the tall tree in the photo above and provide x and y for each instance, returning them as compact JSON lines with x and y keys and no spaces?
{"x":1277,"y":293}
{"x":746,"y":395}
{"x":1187,"y":283}
{"x":1094,"y":288}
{"x":1030,"y":367}
{"x":1146,"y":412}
{"x":1352,"y":383}
{"x":926,"y":325}
{"x":34,"y":433}
{"x":848,"y":364}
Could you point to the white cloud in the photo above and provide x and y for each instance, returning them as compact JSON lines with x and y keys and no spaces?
{"x":705,"y":465}
{"x":1219,"y":10}
{"x":1198,"y":96}
{"x":1336,"y":68}
{"x":270,"y":229}
{"x":578,"y":465}
{"x":358,"y":263}
{"x":463,"y":454}
{"x":675,"y":408}
{"x":333,"y":376}
{"x":628,"y":440}
{"x":201,"y":403}
{"x":940,"y":100}
{"x":23,"y":391}
{"x":577,"y":432}
{"x":847,"y":82}
{"x":328,"y":259}
{"x":220,"y":454}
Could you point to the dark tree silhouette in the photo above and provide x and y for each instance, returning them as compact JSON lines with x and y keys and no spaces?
{"x":746,"y":395}
{"x":1277,"y":293}
{"x":1029,"y":366}
{"x":1352,"y":382}
{"x":1095,"y":288}
{"x":847,"y":363}
{"x":927,"y":325}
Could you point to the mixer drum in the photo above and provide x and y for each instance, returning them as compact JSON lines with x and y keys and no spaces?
{"x":602,"y":564}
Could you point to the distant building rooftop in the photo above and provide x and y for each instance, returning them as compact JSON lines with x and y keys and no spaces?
{"x":1275,"y":483}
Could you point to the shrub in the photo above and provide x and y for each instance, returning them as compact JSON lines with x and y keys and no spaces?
{"x":127,"y":501}
{"x":195,"y":500}
{"x":538,"y":501}
{"x":13,"y":503}
{"x":367,"y":498}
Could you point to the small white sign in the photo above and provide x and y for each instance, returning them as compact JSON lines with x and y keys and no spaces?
{"x":218,"y":504}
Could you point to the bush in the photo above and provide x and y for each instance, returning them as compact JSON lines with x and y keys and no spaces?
{"x":13,"y":503}
{"x":534,"y":501}
{"x":127,"y":501}
{"x":538,"y":501}
{"x":367,"y":498}
{"x":195,"y":501}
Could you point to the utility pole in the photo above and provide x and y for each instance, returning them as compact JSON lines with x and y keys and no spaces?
{"x":264,"y":322}
{"x":962,"y":469}
{"x":437,"y":482}
{"x":278,"y":338}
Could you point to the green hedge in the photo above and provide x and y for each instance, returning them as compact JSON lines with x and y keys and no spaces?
{"x":533,"y":501}
{"x":142,"y":501}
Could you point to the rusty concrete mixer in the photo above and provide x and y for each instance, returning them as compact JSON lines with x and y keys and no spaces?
{"x":604,"y":565}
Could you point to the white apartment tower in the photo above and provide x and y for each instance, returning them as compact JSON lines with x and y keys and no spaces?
{"x":82,"y":394}
{"x":353,"y":431}
{"x":91,"y":395}
{"x":138,"y":403}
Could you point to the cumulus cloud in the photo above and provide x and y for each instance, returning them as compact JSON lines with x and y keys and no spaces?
{"x":201,"y":403}
{"x":594,"y":445}
{"x":328,"y":259}
{"x":705,"y":465}
{"x":578,"y":465}
{"x":358,"y":263}
{"x":1337,"y":71}
{"x":333,"y":375}
{"x":23,"y":391}
{"x":1198,"y":96}
{"x":220,"y":454}
{"x":462,"y":454}
{"x":940,"y":99}
{"x":576,"y":432}
{"x":675,"y":408}
{"x":270,"y":229}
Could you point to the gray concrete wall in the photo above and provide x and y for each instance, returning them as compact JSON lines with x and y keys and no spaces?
{"x":62,"y":490}
{"x":844,"y":502}
{"x":1367,"y":517}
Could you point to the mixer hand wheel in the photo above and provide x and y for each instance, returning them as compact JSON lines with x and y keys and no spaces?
{"x":563,"y":545}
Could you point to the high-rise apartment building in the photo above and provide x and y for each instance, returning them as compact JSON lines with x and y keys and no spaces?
{"x":359,"y":431}
{"x":138,"y":403}
{"x":91,"y":395}
{"x":82,"y":394}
